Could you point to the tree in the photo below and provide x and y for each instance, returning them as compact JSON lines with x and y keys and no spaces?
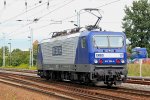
{"x":35,"y":46}
{"x":6,"y":56}
{"x":19,"y":57}
{"x":136,"y":24}
{"x":1,"y":57}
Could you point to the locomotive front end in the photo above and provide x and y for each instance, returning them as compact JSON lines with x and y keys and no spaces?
{"x":109,"y":58}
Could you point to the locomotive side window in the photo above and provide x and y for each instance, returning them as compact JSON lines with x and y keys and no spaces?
{"x":83,"y":42}
{"x":57,"y":50}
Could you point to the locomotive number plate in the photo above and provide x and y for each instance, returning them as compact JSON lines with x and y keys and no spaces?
{"x":109,"y":55}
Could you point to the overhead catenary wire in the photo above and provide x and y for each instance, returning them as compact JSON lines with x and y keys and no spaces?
{"x":5,"y":3}
{"x":67,"y":17}
{"x":85,"y":12}
{"x":34,"y":14}
{"x":23,"y":13}
{"x":96,"y":7}
{"x":44,"y":15}
{"x":57,"y":8}
{"x":48,"y":8}
{"x":37,"y":28}
{"x":3,"y":8}
{"x":81,"y":13}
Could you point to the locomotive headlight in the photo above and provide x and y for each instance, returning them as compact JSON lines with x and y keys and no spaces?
{"x":95,"y":61}
{"x":122,"y":61}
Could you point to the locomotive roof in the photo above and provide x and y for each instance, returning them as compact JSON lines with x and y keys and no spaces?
{"x":80,"y":34}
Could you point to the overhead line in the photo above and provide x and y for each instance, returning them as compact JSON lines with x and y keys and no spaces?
{"x":108,"y":3}
{"x":19,"y":28}
{"x":33,"y":20}
{"x":48,"y":7}
{"x":96,"y":7}
{"x":82,"y":12}
{"x":7,"y":5}
{"x":56,"y":9}
{"x":72,"y":15}
{"x":22,"y":13}
{"x":46,"y":14}
{"x":37,"y":28}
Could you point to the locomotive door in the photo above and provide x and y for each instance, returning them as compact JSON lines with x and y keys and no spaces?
{"x":83,"y":51}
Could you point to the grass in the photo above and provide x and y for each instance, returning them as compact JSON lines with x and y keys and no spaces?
{"x":134,"y":70}
{"x":22,"y":66}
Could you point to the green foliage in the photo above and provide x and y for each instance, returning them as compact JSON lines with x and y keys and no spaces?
{"x":1,"y":61}
{"x":134,"y":70}
{"x":26,"y":66}
{"x":35,"y":48}
{"x":22,"y":66}
{"x":19,"y":57}
{"x":6,"y":55}
{"x":136,"y":24}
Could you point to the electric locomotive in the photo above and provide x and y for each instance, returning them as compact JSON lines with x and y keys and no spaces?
{"x":86,"y":55}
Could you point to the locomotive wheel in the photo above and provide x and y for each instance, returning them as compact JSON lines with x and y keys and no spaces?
{"x":109,"y":84}
{"x":42,"y":76}
{"x":47,"y":78}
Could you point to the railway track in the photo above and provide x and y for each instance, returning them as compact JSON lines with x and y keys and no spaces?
{"x":77,"y":91}
{"x":53,"y":89}
{"x":139,"y":80}
{"x":29,"y":86}
{"x":130,"y":79}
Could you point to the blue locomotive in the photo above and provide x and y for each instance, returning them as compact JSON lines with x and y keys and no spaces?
{"x":86,"y":56}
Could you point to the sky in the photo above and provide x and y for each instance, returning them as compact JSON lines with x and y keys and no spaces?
{"x":17,"y":19}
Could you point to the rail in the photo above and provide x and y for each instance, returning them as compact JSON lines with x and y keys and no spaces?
{"x":75,"y":90}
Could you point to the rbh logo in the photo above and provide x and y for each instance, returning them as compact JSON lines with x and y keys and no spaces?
{"x":99,"y":55}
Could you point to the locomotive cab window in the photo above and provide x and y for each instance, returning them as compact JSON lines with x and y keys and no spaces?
{"x":108,"y":41}
{"x":83,"y":42}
